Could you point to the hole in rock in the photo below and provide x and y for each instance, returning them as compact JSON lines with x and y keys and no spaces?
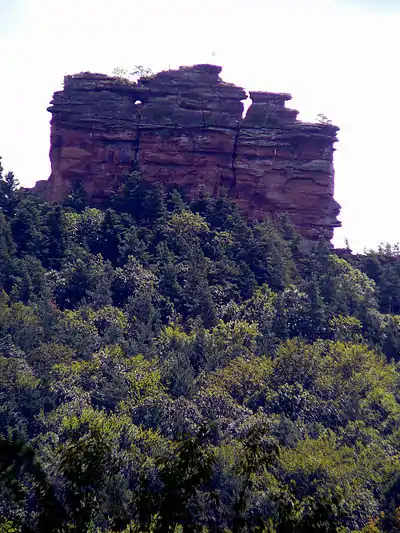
{"x":246,"y":104}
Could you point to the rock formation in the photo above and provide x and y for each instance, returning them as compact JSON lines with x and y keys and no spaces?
{"x":185,"y":127}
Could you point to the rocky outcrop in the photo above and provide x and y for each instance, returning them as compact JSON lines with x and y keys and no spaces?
{"x":185,"y":127}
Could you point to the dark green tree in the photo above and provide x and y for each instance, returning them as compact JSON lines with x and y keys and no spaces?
{"x":9,"y":197}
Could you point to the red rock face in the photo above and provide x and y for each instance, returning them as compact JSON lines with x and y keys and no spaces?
{"x":188,"y":131}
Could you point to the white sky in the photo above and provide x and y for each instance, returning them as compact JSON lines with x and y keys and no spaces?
{"x":336,"y":57}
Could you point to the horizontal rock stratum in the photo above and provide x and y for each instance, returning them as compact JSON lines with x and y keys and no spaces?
{"x":185,"y":128}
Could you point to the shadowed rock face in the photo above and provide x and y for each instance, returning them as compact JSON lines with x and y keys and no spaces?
{"x":185,"y":127}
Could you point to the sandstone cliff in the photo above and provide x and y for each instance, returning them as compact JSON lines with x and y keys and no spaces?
{"x":185,"y":127}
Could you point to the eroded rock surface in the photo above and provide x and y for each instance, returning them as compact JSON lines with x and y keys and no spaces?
{"x":185,"y":127}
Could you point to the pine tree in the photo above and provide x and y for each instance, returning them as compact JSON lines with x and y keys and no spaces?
{"x":9,"y":197}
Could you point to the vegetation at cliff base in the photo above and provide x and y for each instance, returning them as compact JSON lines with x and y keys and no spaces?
{"x":168,"y":365}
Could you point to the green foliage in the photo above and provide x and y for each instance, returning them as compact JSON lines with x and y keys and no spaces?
{"x":170,"y":366}
{"x":139,"y":71}
{"x":9,"y":197}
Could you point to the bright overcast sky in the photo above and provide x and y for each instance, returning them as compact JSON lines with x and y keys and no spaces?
{"x":336,"y":57}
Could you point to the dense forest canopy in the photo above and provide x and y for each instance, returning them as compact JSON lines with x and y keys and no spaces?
{"x":169,"y":366}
